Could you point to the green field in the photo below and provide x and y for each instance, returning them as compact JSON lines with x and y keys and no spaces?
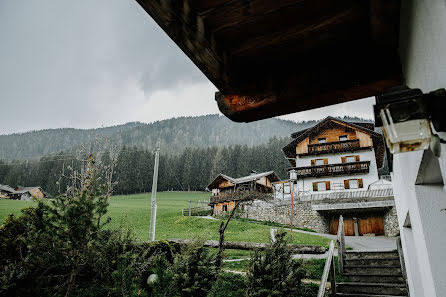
{"x":134,"y":211}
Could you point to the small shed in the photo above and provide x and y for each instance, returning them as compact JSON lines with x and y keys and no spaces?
{"x":5,"y":191}
{"x":27,"y":193}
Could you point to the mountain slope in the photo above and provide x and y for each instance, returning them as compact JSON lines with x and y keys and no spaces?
{"x":175,"y":135}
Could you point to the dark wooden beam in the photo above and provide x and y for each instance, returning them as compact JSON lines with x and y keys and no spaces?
{"x":320,"y":28}
{"x":238,"y":13}
{"x":190,"y":33}
{"x":248,"y":108}
{"x":384,"y":22}
{"x":275,"y":57}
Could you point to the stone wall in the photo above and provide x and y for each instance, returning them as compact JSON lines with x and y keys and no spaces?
{"x":391,"y":227}
{"x":304,"y":216}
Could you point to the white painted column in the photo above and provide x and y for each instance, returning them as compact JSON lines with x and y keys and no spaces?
{"x":423,"y":57}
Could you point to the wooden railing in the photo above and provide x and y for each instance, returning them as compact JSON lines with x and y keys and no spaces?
{"x":332,"y":147}
{"x":329,"y":268}
{"x":233,"y":196}
{"x":346,"y":194}
{"x":333,"y":169}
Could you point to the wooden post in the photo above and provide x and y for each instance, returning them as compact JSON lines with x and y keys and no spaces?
{"x":341,"y":244}
{"x":292,"y":211}
{"x":272,"y":233}
{"x":328,"y":263}
{"x":189,"y":207}
{"x":333,"y":278}
{"x":154,"y":188}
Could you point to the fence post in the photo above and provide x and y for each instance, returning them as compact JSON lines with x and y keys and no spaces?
{"x":341,"y":244}
{"x":189,"y":206}
{"x":333,"y":278}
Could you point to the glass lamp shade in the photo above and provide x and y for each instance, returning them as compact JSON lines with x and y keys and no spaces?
{"x":293,"y":174}
{"x":405,"y":136}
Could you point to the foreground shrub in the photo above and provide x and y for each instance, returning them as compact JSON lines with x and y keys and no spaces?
{"x":62,"y":248}
{"x":229,"y":285}
{"x":273,"y":272}
{"x":193,"y":271}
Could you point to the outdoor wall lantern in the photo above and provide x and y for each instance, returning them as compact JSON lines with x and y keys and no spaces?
{"x":293,"y":175}
{"x":406,"y":116}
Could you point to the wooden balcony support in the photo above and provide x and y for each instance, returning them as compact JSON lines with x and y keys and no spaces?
{"x":360,"y":167}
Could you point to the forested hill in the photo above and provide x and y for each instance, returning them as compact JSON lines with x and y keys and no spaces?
{"x":175,"y":135}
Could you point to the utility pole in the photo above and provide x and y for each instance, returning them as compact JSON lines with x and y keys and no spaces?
{"x":154,"y":185}
{"x":293,"y":178}
{"x":292,"y":211}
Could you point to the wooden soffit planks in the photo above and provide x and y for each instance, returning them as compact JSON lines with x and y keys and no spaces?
{"x":274,"y":57}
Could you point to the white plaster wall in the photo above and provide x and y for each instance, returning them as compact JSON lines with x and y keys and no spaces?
{"x":423,"y":57}
{"x":405,"y":173}
{"x":306,"y":184}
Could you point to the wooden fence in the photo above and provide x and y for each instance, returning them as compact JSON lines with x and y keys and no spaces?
{"x":202,"y":208}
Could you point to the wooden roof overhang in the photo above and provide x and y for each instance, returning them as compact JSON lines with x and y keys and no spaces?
{"x":274,"y":57}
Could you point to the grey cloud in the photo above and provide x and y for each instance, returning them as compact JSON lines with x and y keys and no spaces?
{"x":56,"y":56}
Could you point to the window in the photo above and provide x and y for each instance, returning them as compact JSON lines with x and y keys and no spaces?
{"x":322,"y":140}
{"x":343,"y":138}
{"x":319,"y":162}
{"x":348,"y":159}
{"x":353,"y":183}
{"x":225,"y":207}
{"x":321,"y":186}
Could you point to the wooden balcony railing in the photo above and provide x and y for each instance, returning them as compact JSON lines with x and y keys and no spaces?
{"x":234,"y":196}
{"x":333,"y":169}
{"x":349,"y":194}
{"x":333,"y":147}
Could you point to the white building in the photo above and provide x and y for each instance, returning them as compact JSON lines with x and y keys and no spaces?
{"x":336,"y":164}
{"x":335,"y":155}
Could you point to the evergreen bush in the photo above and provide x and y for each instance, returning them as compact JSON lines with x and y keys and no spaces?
{"x":273,"y":272}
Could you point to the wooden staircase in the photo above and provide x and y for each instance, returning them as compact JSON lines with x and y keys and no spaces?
{"x":372,"y":274}
{"x":364,"y":273}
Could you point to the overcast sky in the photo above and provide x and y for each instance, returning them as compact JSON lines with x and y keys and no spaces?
{"x":93,"y":63}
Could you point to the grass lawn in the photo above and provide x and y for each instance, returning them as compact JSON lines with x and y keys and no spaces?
{"x":134,"y":211}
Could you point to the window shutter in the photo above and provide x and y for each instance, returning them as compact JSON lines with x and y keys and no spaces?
{"x":315,"y":186}
{"x":313,"y":162}
{"x":357,"y":158}
{"x":346,"y":184}
{"x":360,"y":184}
{"x":327,"y":185}
{"x":343,"y":159}
{"x":325,"y":161}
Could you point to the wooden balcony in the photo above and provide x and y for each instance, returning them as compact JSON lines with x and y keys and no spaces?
{"x":333,"y":147}
{"x":233,"y":196}
{"x":350,"y":194}
{"x":333,"y":169}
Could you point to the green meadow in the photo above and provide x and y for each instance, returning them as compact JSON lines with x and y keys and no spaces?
{"x":133,"y":211}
